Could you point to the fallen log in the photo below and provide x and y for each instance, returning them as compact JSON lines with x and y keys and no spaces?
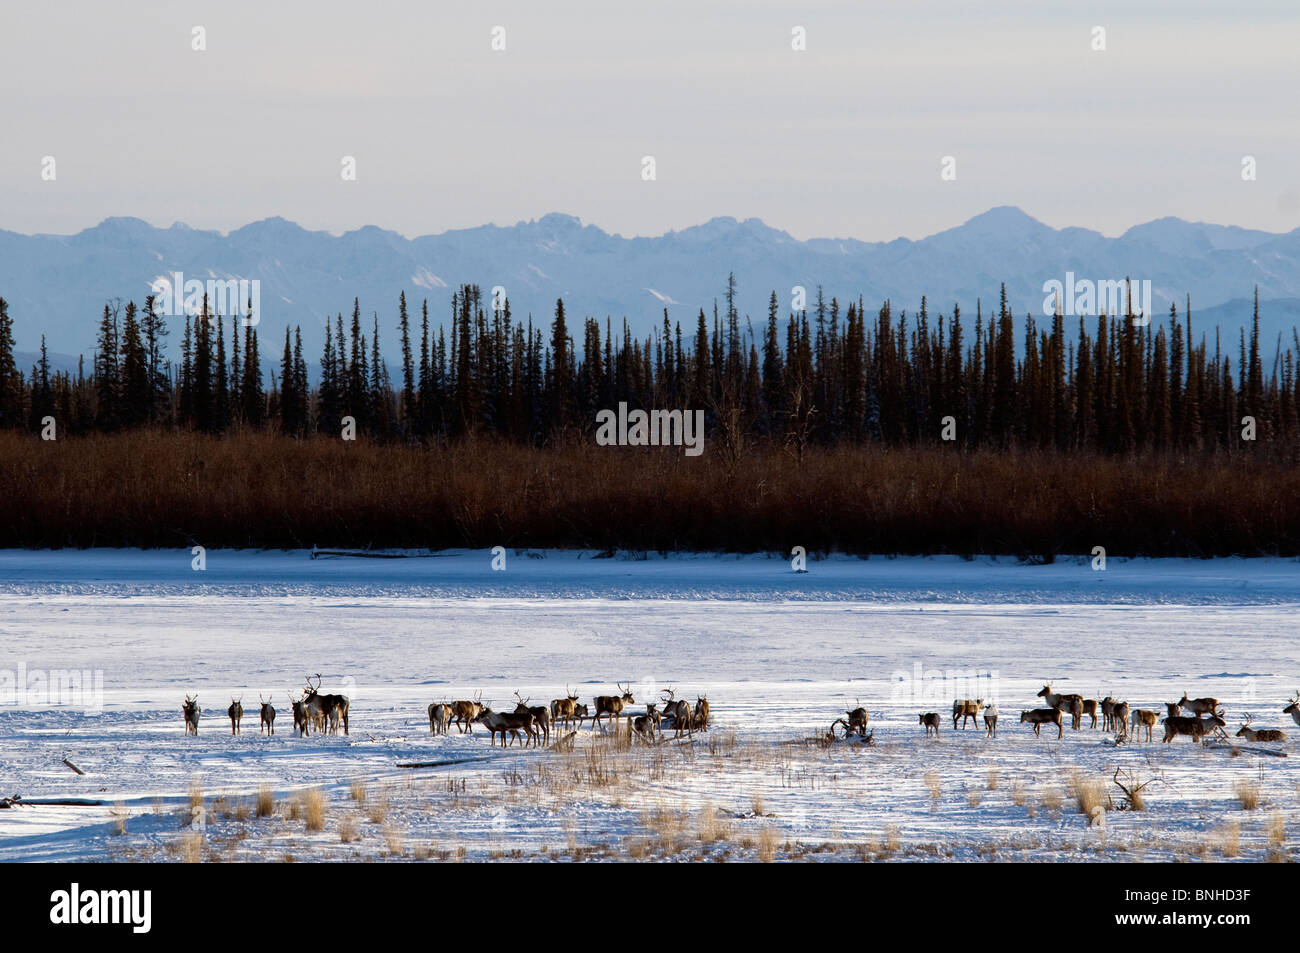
{"x":439,"y":764}
{"x":19,"y":801}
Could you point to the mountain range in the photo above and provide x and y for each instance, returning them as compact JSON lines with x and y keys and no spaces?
{"x":57,"y":285}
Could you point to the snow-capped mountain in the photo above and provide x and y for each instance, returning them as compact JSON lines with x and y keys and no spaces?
{"x":57,"y":284}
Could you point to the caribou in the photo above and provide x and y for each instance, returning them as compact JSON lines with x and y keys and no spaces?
{"x":991,"y":720}
{"x":857,"y":719}
{"x":612,"y":705}
{"x":656,"y":716}
{"x":1293,"y":709}
{"x":643,"y":726}
{"x":236,"y":713}
{"x":700,"y":717}
{"x":326,"y":707}
{"x":930,"y":721}
{"x":1073,"y":704}
{"x":268,"y":717}
{"x":1108,"y":713}
{"x":1043,"y":716}
{"x":541,"y":716}
{"x":1199,"y":706}
{"x":1260,"y":734}
{"x":678,"y":710}
{"x":1090,"y":709}
{"x":299,"y":709}
{"x":190,"y":711}
{"x":563,"y":709}
{"x":1144,"y":719}
{"x":466,"y":713}
{"x":503,"y":722}
{"x":1195,"y":728}
{"x":964,"y":708}
{"x":439,"y":716}
{"x":1119,"y":719}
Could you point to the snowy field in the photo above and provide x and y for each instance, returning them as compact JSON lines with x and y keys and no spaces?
{"x":778,"y":654}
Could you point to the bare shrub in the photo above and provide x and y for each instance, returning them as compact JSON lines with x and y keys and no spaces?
{"x":573,"y":494}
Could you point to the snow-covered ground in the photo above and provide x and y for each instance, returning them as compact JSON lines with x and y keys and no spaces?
{"x":779,"y":655}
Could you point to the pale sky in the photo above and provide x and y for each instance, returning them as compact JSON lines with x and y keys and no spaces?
{"x":843,"y":139}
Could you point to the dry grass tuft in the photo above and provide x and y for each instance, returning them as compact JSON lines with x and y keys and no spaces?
{"x":1276,"y":831}
{"x":711,"y":827}
{"x":1228,"y":839}
{"x":1089,"y":795}
{"x":314,"y":807}
{"x":1247,"y":792}
{"x":265,"y":802}
{"x":377,"y":808}
{"x":933,"y":784}
{"x":348,"y":830}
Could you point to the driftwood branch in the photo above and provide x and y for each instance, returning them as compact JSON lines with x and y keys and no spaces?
{"x":565,"y":743}
{"x":439,"y":764}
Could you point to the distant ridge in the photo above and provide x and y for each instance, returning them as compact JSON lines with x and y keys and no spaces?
{"x":57,"y":284}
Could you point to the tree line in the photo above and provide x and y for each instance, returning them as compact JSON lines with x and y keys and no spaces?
{"x":823,"y":375}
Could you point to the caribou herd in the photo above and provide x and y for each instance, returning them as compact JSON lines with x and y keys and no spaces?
{"x":1204,"y":717}
{"x":311,"y":710}
{"x":533,"y":724}
{"x":323,"y":713}
{"x":314,"y":710}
